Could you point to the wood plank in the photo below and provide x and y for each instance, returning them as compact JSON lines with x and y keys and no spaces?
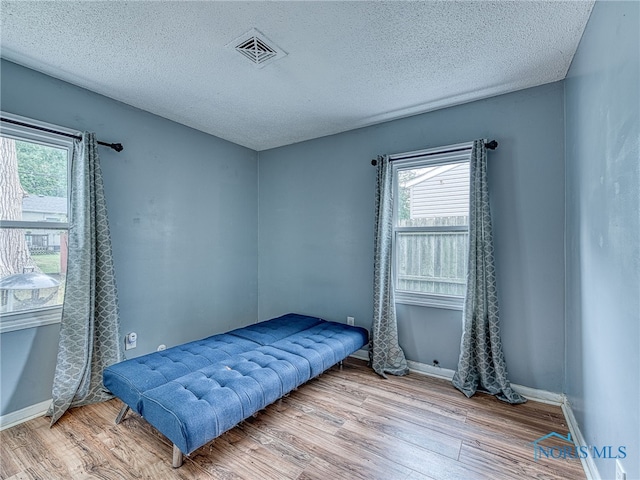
{"x":237,"y":454}
{"x":314,"y":412}
{"x":516,"y":461}
{"x":461,"y":430}
{"x":419,"y":476}
{"x":400,"y":389}
{"x":320,"y":469}
{"x":407,"y":454}
{"x":330,"y":448}
{"x":18,"y":436}
{"x":9,"y":465}
{"x":220,"y":460}
{"x":24,"y":475}
{"x":377,"y":421}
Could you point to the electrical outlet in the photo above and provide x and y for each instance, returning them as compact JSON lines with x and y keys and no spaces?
{"x":350,"y":321}
{"x":131,"y":341}
{"x":620,"y":473}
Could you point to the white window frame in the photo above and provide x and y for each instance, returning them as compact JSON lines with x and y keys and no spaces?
{"x":13,"y":321}
{"x":422,"y":158}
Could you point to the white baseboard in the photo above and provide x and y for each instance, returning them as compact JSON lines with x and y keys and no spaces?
{"x":28,"y":413}
{"x":361,"y":354}
{"x":588,"y":465}
{"x":542,"y":396}
{"x":430,"y":370}
{"x":535,"y":394}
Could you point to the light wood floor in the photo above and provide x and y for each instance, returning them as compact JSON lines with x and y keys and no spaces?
{"x":347,"y":424}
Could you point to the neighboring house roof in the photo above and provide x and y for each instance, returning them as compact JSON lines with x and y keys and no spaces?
{"x":430,"y":173}
{"x":44,"y":204}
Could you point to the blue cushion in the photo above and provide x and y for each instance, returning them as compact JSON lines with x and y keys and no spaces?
{"x":300,"y":364}
{"x":196,"y":408}
{"x":127,"y":380}
{"x":266,"y":333}
{"x":325,"y":344}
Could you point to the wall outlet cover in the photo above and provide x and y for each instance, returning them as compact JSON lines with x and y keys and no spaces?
{"x":130,"y":341}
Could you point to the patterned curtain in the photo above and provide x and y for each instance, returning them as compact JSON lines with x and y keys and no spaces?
{"x":481,"y":365}
{"x":385,"y":354}
{"x":89,"y":332}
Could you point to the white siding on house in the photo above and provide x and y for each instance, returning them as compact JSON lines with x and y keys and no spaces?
{"x":40,"y":208}
{"x":441,"y":192}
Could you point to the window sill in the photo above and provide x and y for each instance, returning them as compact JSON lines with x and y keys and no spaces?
{"x":433,"y":301}
{"x":10,"y":322}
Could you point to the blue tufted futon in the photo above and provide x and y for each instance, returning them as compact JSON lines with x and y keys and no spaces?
{"x":193,"y":393}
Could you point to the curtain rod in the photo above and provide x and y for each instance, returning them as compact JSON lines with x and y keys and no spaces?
{"x":492,"y":145}
{"x":116,"y":146}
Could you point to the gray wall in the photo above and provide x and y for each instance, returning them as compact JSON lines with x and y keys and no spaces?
{"x":603,"y":232}
{"x":316,"y":228}
{"x":183,"y":214}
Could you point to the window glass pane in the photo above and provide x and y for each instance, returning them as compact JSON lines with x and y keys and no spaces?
{"x":34,"y":268}
{"x":34,"y":181}
{"x":432,"y":262}
{"x":33,"y":188}
{"x":437,"y":195}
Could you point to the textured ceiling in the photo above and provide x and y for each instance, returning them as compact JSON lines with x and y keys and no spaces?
{"x":349,"y":64}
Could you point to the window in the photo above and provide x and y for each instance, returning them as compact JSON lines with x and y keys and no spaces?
{"x":34,"y":224}
{"x":431,"y":226}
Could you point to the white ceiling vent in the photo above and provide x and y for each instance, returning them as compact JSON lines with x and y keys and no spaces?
{"x":257,"y":48}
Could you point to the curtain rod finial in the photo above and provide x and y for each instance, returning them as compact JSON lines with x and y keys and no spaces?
{"x":492,"y":145}
{"x":115,"y":146}
{"x":374,"y":162}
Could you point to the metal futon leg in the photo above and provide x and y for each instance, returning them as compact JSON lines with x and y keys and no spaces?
{"x":123,"y":412}
{"x":177,"y":457}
